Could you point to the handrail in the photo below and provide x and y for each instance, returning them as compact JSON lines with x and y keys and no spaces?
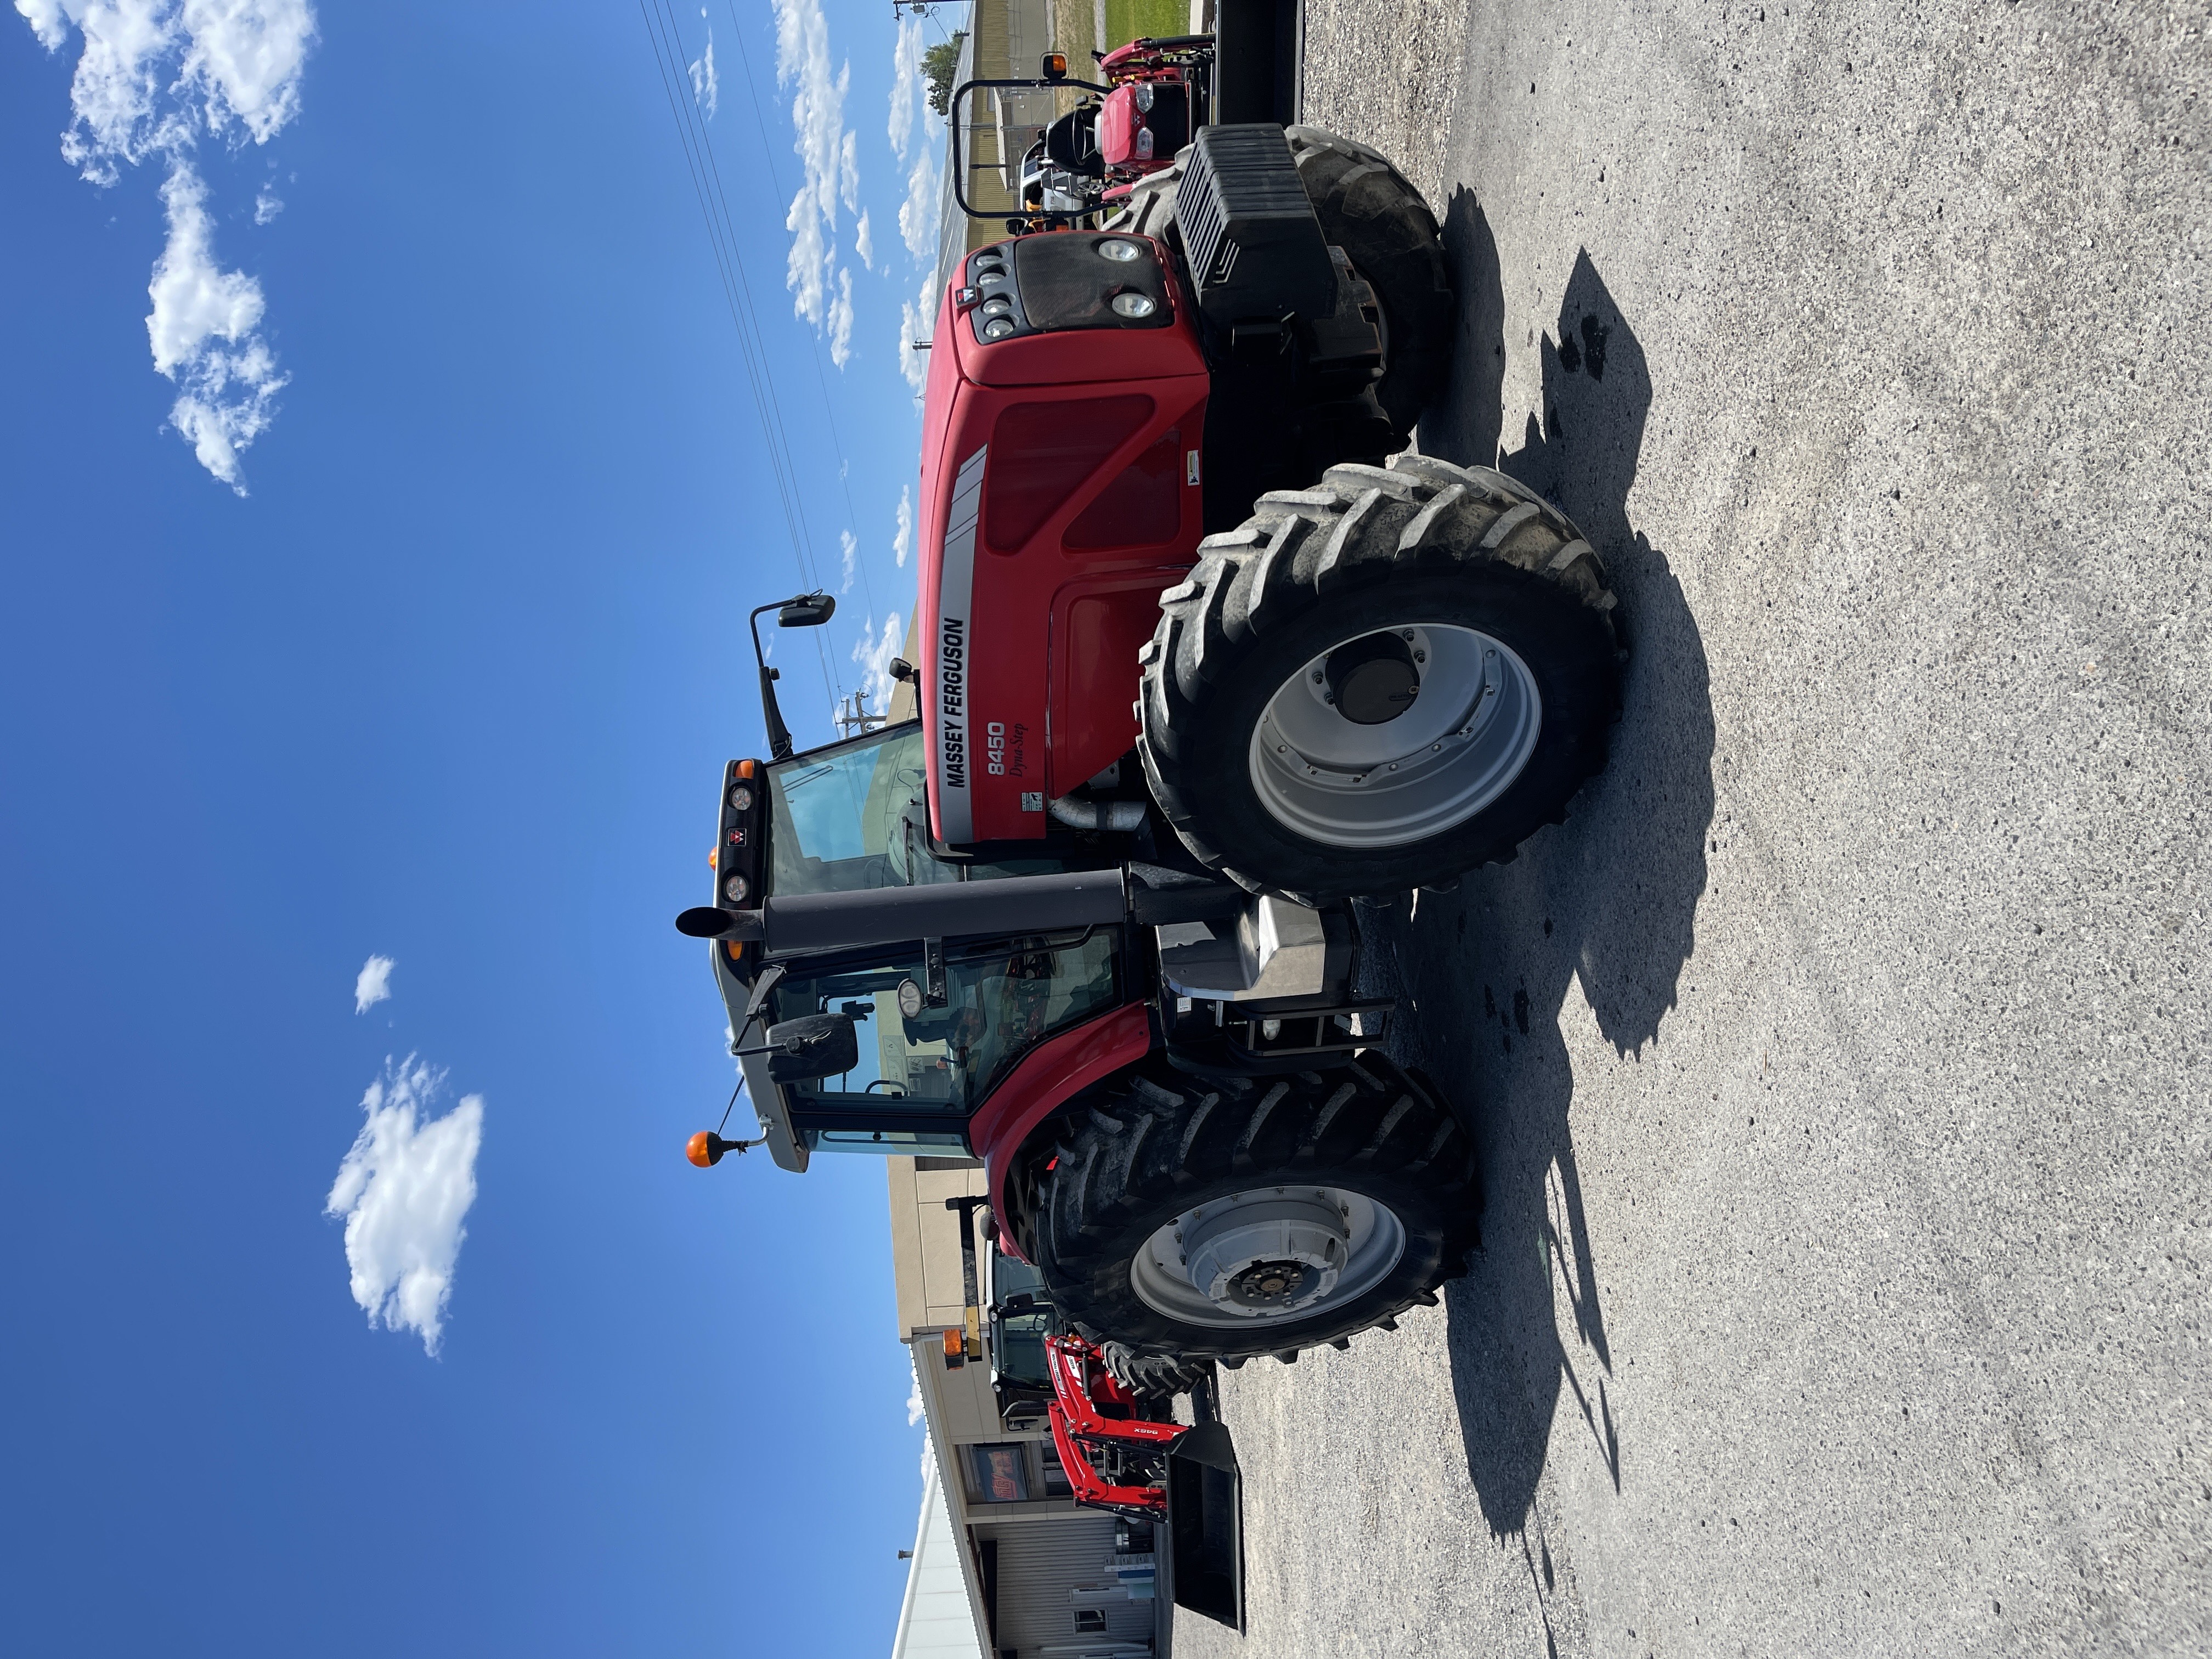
{"x":959,"y":169}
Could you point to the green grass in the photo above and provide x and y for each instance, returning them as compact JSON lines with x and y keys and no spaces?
{"x":1127,"y":18}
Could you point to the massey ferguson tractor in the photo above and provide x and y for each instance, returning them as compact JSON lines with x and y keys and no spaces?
{"x":1207,"y":654}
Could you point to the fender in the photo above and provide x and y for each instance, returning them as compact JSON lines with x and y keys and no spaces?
{"x":1042,"y":1081}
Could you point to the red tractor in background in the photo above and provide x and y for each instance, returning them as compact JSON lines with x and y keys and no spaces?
{"x":1205,"y":654}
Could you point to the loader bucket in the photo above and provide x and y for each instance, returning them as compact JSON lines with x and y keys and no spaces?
{"x":1205,"y":1525}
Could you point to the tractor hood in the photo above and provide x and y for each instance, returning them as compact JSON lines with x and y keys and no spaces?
{"x":1060,"y":492}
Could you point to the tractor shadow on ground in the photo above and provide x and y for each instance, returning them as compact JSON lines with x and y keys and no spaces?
{"x":1608,"y":899}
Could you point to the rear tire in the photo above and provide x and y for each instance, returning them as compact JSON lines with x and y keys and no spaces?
{"x":1370,"y":210}
{"x":1157,"y":1152}
{"x":1252,"y":761}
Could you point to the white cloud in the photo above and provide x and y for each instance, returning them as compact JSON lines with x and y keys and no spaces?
{"x":245,"y":60}
{"x":47,"y":21}
{"x":240,"y":62}
{"x":864,"y":241}
{"x":373,"y":984}
{"x":852,"y":552}
{"x":874,"y":653}
{"x":118,"y":83}
{"x":830,"y":156}
{"x":706,"y":87}
{"x":918,"y":214}
{"x":227,"y":392}
{"x":404,"y":1190}
{"x":913,"y":1402}
{"x":153,"y":77}
{"x":841,"y":321}
{"x":906,"y":80}
{"x":902,"y":542}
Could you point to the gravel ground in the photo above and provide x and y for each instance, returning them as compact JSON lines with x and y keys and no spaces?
{"x":1842,"y":1065}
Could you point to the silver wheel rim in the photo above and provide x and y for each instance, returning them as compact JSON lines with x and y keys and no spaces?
{"x":1267,"y":1256}
{"x":1459,"y":746}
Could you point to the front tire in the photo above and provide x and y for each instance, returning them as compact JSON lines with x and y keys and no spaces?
{"x":1186,"y":1222}
{"x":1480,"y":613}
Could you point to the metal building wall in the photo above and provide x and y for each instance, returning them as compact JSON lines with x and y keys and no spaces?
{"x":1039,"y":1564}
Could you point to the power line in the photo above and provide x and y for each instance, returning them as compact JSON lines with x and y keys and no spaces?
{"x":836,"y":439}
{"x":721,"y":232}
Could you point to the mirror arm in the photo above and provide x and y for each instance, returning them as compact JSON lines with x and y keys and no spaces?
{"x":778,"y":734}
{"x":763,"y":988}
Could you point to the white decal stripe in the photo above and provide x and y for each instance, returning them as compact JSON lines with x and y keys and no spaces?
{"x":955,"y":649}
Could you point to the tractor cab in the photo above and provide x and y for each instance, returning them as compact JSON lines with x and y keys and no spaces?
{"x":924,"y":1064}
{"x":942,"y":1003}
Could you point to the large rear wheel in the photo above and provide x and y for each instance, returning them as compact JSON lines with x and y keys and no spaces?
{"x":1379,"y":683}
{"x":1189,"y":1221}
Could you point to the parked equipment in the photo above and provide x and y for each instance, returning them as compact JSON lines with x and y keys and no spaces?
{"x":1203,"y":660}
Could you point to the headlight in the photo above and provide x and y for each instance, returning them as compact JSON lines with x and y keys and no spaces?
{"x":1144,"y":96}
{"x":991,"y":276}
{"x":998,"y":328}
{"x":741,"y":798}
{"x":1135,"y":305}
{"x":1144,"y":143}
{"x":997,"y":307}
{"x":735,"y":890}
{"x":1120,"y":252}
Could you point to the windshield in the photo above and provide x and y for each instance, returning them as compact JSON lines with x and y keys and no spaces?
{"x":851,"y":817}
{"x":855,"y":816}
{"x":933,"y":1069}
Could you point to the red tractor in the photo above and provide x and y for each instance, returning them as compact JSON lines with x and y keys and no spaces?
{"x":1206,"y":654}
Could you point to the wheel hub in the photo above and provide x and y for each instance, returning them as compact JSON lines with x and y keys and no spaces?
{"x":1373,"y":680}
{"x":1274,"y":1253}
{"x":1268,"y":1283}
{"x":1396,"y":735}
{"x":1267,"y":1254}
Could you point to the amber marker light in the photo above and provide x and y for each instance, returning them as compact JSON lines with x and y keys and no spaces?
{"x":954,"y":1347}
{"x":700,"y":1149}
{"x":744,"y":769}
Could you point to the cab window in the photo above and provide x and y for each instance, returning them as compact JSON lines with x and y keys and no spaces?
{"x":855,"y":816}
{"x":925,"y":1073}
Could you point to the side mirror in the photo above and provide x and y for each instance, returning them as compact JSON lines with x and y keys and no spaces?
{"x":899,"y":670}
{"x":811,"y":611}
{"x":812,"y":1046}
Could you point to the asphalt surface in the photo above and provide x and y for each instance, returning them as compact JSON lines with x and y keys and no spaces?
{"x":1842,"y":1064}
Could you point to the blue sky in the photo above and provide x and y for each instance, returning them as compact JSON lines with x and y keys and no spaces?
{"x":403,"y":615}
